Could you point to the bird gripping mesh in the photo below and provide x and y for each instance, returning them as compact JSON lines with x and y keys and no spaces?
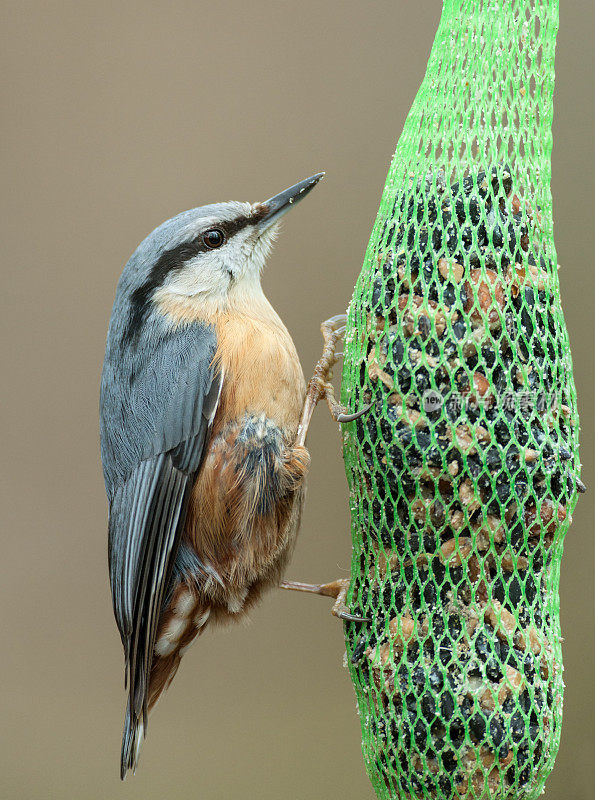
{"x":464,"y":472}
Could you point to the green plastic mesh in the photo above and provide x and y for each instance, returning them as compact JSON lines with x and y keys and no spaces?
{"x":464,"y":472}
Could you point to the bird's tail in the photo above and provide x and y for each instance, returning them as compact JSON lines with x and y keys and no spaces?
{"x":182,"y":621}
{"x":163,"y":670}
{"x":132,"y":739}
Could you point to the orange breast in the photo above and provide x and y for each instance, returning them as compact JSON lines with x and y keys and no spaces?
{"x":245,"y":504}
{"x":262,"y":372}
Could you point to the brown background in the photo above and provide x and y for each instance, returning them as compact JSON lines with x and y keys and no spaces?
{"x":117,"y":116}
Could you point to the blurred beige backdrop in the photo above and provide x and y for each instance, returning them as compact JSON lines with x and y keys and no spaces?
{"x":116,"y":116}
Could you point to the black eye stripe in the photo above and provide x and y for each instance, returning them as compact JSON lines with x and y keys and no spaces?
{"x":235,"y":225}
{"x":231,"y":227}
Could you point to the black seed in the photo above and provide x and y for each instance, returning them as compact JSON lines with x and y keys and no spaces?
{"x":493,"y":458}
{"x":524,"y":776}
{"x":420,"y":734}
{"x":529,"y":667}
{"x":457,"y":732}
{"x":447,"y":705}
{"x":428,"y":706}
{"x":496,"y":733}
{"x":418,"y":677}
{"x":449,"y":760}
{"x":397,"y":351}
{"x":508,"y":705}
{"x":358,"y":650}
{"x":377,"y":291}
{"x":435,"y":680}
{"x":477,"y":727}
{"x":466,"y":707}
{"x":482,"y":646}
{"x":533,"y":731}
{"x":522,"y":755}
{"x":445,"y":652}
{"x":459,"y":327}
{"x":430,"y":594}
{"x":517,"y":727}
{"x":455,"y":626}
{"x":515,"y":591}
{"x":493,"y":670}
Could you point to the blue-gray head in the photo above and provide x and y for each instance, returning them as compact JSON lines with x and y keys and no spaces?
{"x":212,"y":253}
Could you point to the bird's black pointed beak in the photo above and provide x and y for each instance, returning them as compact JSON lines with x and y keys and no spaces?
{"x":274,"y":208}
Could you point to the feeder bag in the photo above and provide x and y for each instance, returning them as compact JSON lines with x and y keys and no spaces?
{"x":464,"y":472}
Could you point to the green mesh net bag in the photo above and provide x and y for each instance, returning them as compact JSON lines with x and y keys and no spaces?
{"x":464,"y":472}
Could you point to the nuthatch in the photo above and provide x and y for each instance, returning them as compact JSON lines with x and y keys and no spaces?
{"x":204,"y":413}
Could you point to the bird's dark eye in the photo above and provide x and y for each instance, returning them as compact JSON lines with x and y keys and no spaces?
{"x":213,"y":238}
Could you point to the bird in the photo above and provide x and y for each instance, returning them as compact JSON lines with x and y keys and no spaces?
{"x":204,"y":411}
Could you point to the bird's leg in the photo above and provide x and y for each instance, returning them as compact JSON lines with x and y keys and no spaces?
{"x":336,"y":589}
{"x":320,"y":384}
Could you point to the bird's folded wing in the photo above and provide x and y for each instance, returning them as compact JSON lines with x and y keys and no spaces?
{"x":167,"y":408}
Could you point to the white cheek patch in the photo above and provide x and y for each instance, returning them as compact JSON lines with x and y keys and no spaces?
{"x":204,"y":275}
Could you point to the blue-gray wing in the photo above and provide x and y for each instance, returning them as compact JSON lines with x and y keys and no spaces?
{"x":158,"y":399}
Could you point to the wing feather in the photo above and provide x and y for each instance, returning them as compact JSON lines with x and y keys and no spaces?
{"x":156,"y":419}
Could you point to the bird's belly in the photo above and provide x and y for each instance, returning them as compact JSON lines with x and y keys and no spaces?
{"x":246,"y":503}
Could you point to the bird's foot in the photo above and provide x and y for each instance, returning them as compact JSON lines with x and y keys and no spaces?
{"x":336,"y":589}
{"x":320,"y":384}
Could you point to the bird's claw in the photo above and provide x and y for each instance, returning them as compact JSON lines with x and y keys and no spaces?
{"x":336,"y":589}
{"x":345,"y":615}
{"x":345,"y":417}
{"x":338,"y":323}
